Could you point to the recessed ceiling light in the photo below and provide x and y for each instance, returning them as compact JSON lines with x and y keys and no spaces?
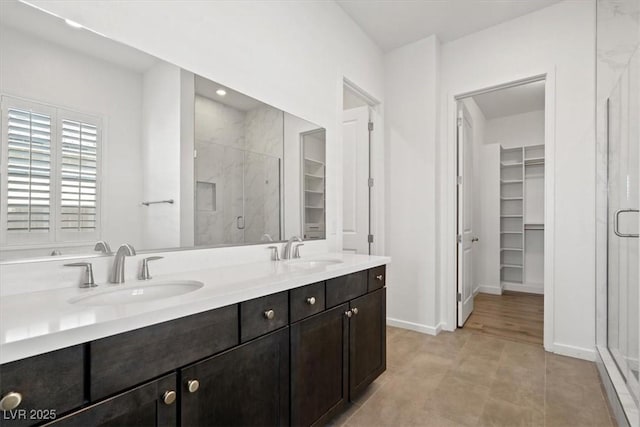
{"x":221,"y":92}
{"x":73,"y":24}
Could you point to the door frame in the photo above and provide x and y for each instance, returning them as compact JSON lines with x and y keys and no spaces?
{"x":376,"y":167}
{"x":448,"y":209}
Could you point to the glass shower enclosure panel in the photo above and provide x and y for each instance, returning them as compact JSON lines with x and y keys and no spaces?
{"x":623,"y":297}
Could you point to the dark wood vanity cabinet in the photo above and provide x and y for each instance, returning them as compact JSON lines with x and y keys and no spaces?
{"x":244,"y":386}
{"x":291,"y":358}
{"x":319,"y":366}
{"x":149,"y":405}
{"x":367,"y":340}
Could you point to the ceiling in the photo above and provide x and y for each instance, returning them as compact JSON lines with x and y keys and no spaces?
{"x":394,"y":23}
{"x":514,"y":100}
{"x":30,"y":20}
{"x":239,"y":101}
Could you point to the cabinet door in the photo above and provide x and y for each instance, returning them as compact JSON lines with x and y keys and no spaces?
{"x":367,"y":340}
{"x":319,"y":366}
{"x":148,"y":405}
{"x":245,"y":386}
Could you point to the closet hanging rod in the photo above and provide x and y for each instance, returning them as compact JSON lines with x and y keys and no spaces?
{"x":169,"y":201}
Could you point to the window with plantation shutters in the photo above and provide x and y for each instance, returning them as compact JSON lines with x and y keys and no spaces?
{"x":50,"y":174}
{"x":78,"y":175}
{"x":28,"y":171}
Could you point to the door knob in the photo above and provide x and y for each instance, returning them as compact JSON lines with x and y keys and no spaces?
{"x":270,"y":314}
{"x":193,"y":386}
{"x":355,"y":310}
{"x":348,"y":313}
{"x":169,"y":397}
{"x":311,"y":300}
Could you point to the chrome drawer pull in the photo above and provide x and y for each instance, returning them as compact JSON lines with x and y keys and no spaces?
{"x":169,"y":397}
{"x":193,"y":386}
{"x":10,"y":401}
{"x":270,"y":314}
{"x":379,"y":277}
{"x":311,"y":300}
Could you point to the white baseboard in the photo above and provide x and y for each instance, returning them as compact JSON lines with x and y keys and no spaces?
{"x":523,"y":288}
{"x":573,"y":351}
{"x":492,"y":290}
{"x":417,"y":327}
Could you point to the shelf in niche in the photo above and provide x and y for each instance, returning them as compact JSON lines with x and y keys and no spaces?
{"x":507,"y":199}
{"x":314,"y":191}
{"x":510,"y":216}
{"x":313,"y":162}
{"x":512,"y":249}
{"x":511,"y":232}
{"x":510,"y":164}
{"x":511,"y":181}
{"x":534,"y":226}
{"x":314,"y":207}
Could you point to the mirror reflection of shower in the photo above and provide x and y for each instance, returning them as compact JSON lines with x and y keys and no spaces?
{"x":238,"y":167}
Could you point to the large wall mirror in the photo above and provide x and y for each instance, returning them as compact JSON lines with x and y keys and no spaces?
{"x":102,"y":142}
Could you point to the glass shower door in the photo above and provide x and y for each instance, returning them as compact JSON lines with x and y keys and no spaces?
{"x":623,"y":192}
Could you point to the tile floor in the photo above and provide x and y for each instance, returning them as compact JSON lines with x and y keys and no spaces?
{"x":467,"y":378}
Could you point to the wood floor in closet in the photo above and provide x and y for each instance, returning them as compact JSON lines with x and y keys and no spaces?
{"x":515,"y":316}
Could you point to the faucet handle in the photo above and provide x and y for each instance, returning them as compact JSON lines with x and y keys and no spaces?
{"x":296,"y":250}
{"x":144,"y":274}
{"x":274,"y":253}
{"x":90,"y":283}
{"x":102,"y":246}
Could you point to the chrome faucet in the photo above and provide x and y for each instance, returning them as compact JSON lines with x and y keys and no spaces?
{"x":117,"y":272}
{"x":286,"y":252}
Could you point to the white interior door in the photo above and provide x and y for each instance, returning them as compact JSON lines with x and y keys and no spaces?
{"x":465,"y":215}
{"x":355,"y":180}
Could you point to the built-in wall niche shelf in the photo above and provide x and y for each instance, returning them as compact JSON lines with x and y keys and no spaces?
{"x":315,"y":176}
{"x":314,"y":207}
{"x":521,"y":207}
{"x":311,"y":163}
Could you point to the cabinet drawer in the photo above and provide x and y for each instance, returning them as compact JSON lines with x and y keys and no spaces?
{"x":131,"y":358}
{"x":347,"y":287}
{"x":305,"y":301}
{"x":51,"y":382}
{"x":377,"y":278}
{"x":254,"y":319}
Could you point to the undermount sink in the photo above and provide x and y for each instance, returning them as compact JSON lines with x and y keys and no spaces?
{"x":140,"y":292}
{"x":312,"y":263}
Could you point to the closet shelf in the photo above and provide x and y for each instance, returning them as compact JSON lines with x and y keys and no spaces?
{"x":512,"y":249}
{"x":510,"y":164}
{"x":511,"y":232}
{"x":510,"y":266}
{"x":314,"y":207}
{"x":314,"y":176}
{"x":511,"y":181}
{"x":531,"y":226}
{"x":506,"y":199}
{"x":510,"y":216}
{"x":313,"y":162}
{"x":314,"y":191}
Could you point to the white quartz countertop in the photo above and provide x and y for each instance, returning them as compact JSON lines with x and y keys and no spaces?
{"x":39,"y":322}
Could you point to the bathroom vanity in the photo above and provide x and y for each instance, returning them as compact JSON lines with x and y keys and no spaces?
{"x":294,"y":356}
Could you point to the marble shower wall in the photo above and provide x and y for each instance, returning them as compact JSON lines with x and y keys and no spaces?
{"x":239,"y":156}
{"x":617,"y":38}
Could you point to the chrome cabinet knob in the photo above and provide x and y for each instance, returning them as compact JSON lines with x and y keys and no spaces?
{"x":355,"y":310}
{"x":348,"y":313}
{"x":379,"y":277}
{"x":193,"y":386}
{"x":10,"y":401}
{"x":311,"y":300}
{"x":475,"y":239}
{"x":270,"y":314}
{"x":169,"y":397}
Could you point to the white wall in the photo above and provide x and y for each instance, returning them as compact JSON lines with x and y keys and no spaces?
{"x":411,"y":77}
{"x":161,"y":136}
{"x":113,"y":93}
{"x":279,"y":52}
{"x":516,"y":130}
{"x":558,"y":39}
